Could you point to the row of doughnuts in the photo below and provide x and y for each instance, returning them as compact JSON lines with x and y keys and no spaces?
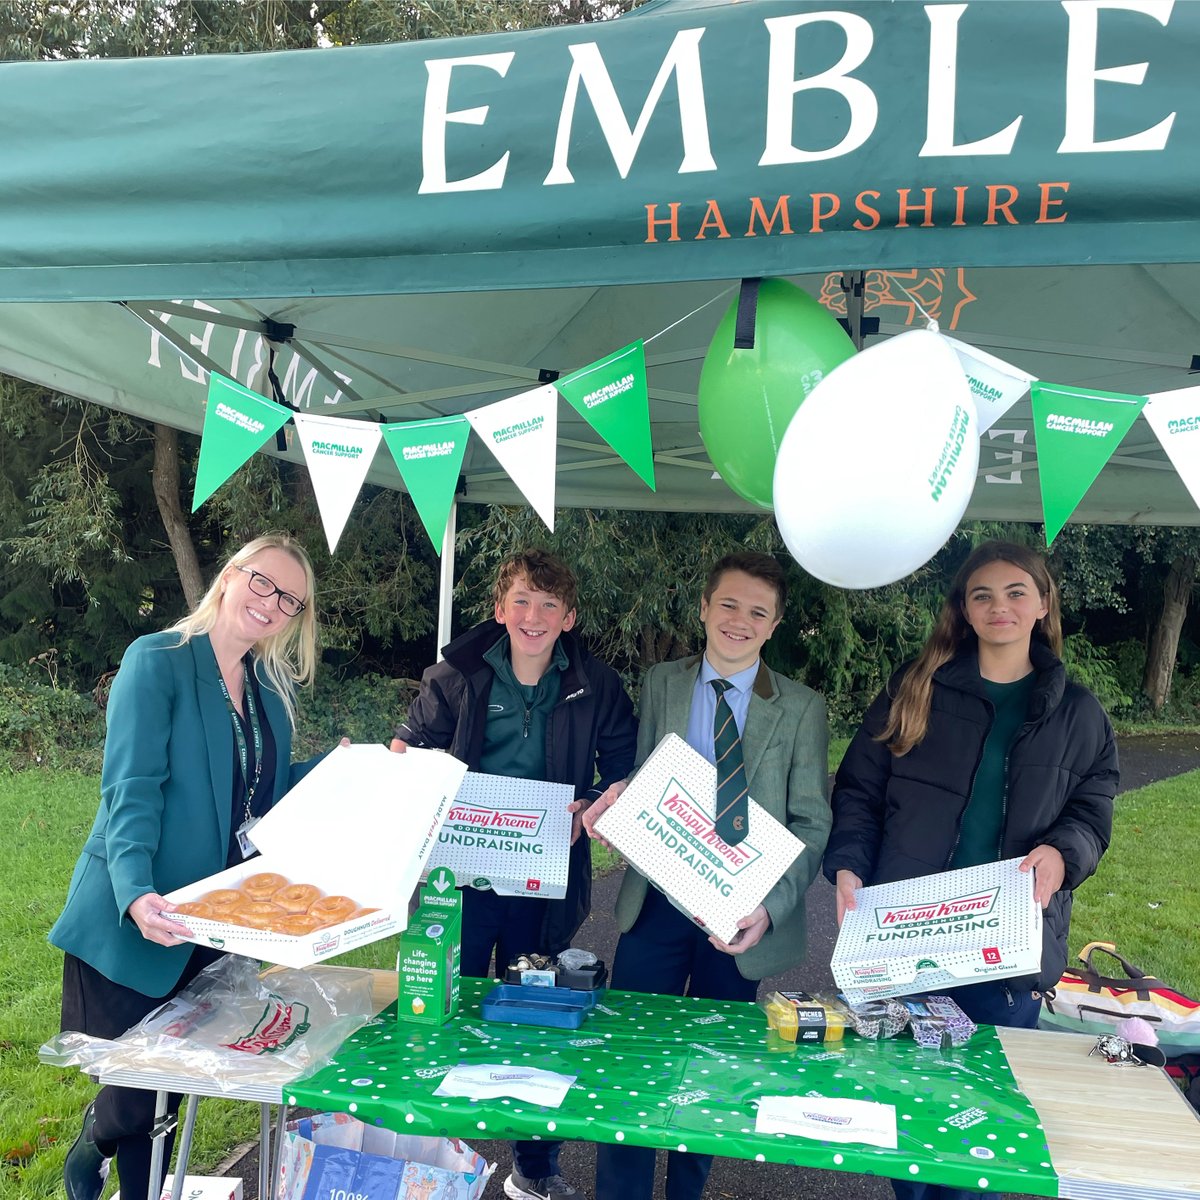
{"x":271,"y":902}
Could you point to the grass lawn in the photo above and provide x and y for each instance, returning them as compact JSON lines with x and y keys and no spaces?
{"x":1142,"y":899}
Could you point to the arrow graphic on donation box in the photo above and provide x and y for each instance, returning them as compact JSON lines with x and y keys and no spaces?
{"x":442,"y":880}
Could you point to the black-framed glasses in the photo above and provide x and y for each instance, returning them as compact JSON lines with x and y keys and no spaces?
{"x":260,"y":585}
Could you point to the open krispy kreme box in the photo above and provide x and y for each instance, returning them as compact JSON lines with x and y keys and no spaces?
{"x":663,"y":824}
{"x":938,"y":931}
{"x":361,"y":824}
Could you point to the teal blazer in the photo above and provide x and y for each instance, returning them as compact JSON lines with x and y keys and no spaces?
{"x":785,"y":746}
{"x":165,"y":805}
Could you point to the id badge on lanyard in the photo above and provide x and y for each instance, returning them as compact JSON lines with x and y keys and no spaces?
{"x":245,"y":845}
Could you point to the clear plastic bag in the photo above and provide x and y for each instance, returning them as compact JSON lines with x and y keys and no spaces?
{"x":232,"y":1026}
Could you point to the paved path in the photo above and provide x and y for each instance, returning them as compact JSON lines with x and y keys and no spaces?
{"x":1143,"y":760}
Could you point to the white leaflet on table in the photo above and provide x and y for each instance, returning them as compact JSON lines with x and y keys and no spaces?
{"x":487,"y":1080}
{"x":827,"y":1119}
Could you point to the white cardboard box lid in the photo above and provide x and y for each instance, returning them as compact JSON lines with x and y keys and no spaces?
{"x":508,"y":871}
{"x":997,"y":895}
{"x":771,"y":846}
{"x":362,"y":812}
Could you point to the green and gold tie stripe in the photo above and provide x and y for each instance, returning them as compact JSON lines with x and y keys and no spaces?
{"x":732,"y":817}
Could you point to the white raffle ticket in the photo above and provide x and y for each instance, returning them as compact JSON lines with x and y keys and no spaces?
{"x":663,"y":824}
{"x":939,"y":931}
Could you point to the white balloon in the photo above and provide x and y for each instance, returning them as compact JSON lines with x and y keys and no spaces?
{"x":877,"y":466}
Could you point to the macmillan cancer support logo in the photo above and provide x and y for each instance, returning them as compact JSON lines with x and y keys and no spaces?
{"x":1083,"y":426}
{"x":1183,"y":425}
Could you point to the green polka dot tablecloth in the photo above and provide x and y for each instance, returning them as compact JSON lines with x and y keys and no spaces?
{"x":682,"y":1074}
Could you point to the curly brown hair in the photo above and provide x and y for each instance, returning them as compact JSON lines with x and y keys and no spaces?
{"x":543,"y":571}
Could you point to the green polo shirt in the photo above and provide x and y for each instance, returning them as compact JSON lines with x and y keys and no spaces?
{"x":514,"y":739}
{"x":983,"y":821}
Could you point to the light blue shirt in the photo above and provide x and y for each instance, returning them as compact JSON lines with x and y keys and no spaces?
{"x":704,"y":705}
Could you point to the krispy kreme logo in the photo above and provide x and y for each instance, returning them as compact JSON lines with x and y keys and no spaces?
{"x":280,"y":1024}
{"x":524,"y":822}
{"x":685,"y":816}
{"x":974,"y":905}
{"x":827,"y":1118}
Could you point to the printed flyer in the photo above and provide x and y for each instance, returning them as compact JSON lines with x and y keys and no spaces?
{"x":663,"y":824}
{"x":511,"y":835}
{"x":938,"y":931}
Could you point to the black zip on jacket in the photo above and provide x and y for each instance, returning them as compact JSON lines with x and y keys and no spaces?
{"x":899,"y":817}
{"x":591,"y":730}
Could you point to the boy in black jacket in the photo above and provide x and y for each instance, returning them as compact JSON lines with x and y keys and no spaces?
{"x":521,"y":697}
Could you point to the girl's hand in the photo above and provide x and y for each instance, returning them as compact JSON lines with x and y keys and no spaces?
{"x":1049,"y":871}
{"x":147,"y":913}
{"x":599,"y":807}
{"x":847,"y":884}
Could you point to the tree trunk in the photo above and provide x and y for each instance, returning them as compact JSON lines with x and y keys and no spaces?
{"x":1164,"y":640}
{"x":166,"y":493}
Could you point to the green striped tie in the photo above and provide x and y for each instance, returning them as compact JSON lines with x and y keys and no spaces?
{"x":732,"y":790}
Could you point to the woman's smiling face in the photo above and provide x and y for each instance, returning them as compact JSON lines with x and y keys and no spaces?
{"x":1003,"y":605}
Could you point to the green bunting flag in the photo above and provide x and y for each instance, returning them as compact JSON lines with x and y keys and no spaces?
{"x":237,"y":422}
{"x":1076,"y":432}
{"x":429,"y":456}
{"x":610,"y":395}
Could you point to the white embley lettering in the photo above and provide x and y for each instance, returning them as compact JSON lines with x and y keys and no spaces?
{"x":589,"y":72}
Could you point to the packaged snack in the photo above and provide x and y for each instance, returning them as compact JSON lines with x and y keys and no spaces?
{"x":876,"y":1019}
{"x":801,"y":1017}
{"x":938,"y":1022}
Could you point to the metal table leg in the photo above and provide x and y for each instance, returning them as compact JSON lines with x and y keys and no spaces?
{"x":164,"y":1123}
{"x":185,"y":1143}
{"x":264,"y":1152}
{"x":277,"y":1156}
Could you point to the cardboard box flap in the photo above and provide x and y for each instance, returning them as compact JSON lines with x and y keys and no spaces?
{"x":362,"y":813}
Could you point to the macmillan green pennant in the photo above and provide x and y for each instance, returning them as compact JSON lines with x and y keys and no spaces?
{"x":610,"y":395}
{"x":237,"y":422}
{"x":429,"y":456}
{"x":1076,"y":432}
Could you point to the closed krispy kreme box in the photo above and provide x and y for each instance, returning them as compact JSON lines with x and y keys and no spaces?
{"x":938,"y":931}
{"x":361,"y":823}
{"x":663,"y":824}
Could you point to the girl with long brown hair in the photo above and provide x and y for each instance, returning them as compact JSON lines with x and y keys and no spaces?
{"x":979,"y":750}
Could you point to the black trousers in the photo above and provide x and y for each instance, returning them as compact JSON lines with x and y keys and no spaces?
{"x":664,"y":952}
{"x":94,"y":1004}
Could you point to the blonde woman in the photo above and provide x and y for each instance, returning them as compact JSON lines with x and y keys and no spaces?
{"x":981,"y":750}
{"x":199,"y":741}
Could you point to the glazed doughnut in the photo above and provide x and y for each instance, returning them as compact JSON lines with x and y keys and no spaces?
{"x":257,"y":914}
{"x":263,"y":886}
{"x":333,"y":910}
{"x":298,"y":924}
{"x":361,"y":912}
{"x":296,"y":897}
{"x":198,"y":908}
{"x":223,"y":898}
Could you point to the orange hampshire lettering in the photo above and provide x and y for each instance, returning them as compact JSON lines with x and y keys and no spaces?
{"x":996,"y":205}
{"x":904,"y":208}
{"x":866,"y":210}
{"x":780,"y":212}
{"x":819,"y":213}
{"x":672,"y":221}
{"x":712,"y":220}
{"x":1043,"y":217}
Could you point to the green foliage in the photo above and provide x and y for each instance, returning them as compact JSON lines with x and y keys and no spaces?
{"x":1093,"y":667}
{"x":363,"y":709}
{"x":45,"y":726}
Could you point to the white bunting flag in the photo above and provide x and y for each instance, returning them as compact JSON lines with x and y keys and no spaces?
{"x":1175,"y":419}
{"x":522,"y":432}
{"x":995,"y":384}
{"x":339,"y":454}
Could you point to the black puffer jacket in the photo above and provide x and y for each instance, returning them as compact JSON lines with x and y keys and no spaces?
{"x":591,"y":730}
{"x":898,"y":818}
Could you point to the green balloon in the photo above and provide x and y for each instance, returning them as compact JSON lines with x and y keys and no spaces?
{"x":747,"y":397}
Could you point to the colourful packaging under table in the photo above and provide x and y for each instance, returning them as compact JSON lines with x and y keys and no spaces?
{"x":678,"y":1073}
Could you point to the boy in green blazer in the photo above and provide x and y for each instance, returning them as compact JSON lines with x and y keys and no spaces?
{"x":784,"y":744}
